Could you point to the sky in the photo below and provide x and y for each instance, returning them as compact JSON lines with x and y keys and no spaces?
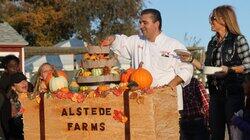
{"x":190,"y":17}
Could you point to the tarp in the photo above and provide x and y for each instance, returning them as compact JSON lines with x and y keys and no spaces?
{"x":64,"y":62}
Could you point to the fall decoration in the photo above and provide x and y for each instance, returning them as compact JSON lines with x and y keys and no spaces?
{"x":102,"y":88}
{"x":84,"y":88}
{"x":126,"y":75}
{"x":78,"y":98}
{"x":74,"y":87}
{"x":86,"y":56}
{"x":142,"y":77}
{"x":119,"y":116}
{"x":93,"y":57}
{"x":86,"y":73}
{"x":57,"y":83}
{"x":106,"y":70}
{"x":98,"y":66}
{"x":96,"y":71}
{"x":55,"y":73}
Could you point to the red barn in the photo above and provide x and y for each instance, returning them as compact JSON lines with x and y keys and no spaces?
{"x":11,"y":43}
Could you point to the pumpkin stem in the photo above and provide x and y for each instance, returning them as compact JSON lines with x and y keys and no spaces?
{"x":140,"y":64}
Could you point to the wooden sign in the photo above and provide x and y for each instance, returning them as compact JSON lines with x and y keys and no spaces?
{"x":155,"y":117}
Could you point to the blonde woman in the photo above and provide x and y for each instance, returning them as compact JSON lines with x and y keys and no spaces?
{"x":43,"y":72}
{"x":228,"y":49}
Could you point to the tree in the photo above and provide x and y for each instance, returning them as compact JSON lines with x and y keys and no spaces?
{"x":40,"y":24}
{"x":46,"y":22}
{"x":105,"y":17}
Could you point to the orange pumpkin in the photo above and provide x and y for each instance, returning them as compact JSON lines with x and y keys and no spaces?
{"x":59,"y":73}
{"x":126,"y":75}
{"x":102,"y":88}
{"x":142,"y":77}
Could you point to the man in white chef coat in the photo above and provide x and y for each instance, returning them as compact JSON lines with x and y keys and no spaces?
{"x":156,"y":51}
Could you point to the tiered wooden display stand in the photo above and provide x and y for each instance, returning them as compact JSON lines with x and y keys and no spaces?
{"x":90,"y":64}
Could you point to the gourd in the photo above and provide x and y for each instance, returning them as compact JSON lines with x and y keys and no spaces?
{"x":126,"y":75}
{"x":142,"y":77}
{"x":115,"y":70}
{"x":86,"y":73}
{"x":74,"y":87}
{"x":84,"y":88}
{"x":57,"y":83}
{"x":96,"y":72}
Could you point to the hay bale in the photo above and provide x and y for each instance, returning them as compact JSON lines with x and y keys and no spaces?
{"x":156,"y":118}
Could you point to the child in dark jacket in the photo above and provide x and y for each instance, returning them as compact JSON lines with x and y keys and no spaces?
{"x":243,"y":122}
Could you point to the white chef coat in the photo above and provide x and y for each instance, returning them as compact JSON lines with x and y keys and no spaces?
{"x":163,"y":69}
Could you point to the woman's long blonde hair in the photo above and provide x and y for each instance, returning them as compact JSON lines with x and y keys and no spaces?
{"x":225,"y":15}
{"x":38,"y":76}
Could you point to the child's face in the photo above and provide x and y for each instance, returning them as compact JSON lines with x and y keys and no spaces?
{"x":21,"y":87}
{"x":246,"y":87}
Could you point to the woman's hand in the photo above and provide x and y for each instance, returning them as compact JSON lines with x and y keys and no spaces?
{"x":235,"y":69}
{"x":43,"y":87}
{"x":238,"y":69}
{"x":14,"y":111}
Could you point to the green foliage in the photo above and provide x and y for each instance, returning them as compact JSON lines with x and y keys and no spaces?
{"x":100,"y":18}
{"x":191,"y":41}
{"x":44,"y":23}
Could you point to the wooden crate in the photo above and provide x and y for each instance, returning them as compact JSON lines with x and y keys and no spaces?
{"x":100,"y":63}
{"x":98,"y":79}
{"x":156,"y":118}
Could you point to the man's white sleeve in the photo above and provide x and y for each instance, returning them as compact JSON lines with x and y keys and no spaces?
{"x":120,"y":46}
{"x":184,"y":71}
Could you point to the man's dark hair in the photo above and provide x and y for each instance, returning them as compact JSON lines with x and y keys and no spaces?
{"x":9,"y":58}
{"x":156,"y":15}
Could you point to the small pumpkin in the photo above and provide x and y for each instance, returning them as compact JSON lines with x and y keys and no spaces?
{"x":86,"y":56}
{"x":55,"y":73}
{"x":86,"y":73}
{"x":84,"y":88}
{"x":57,"y":83}
{"x":142,"y":77}
{"x":64,"y":90}
{"x":126,"y":75}
{"x":102,"y":88}
{"x":96,"y":71}
{"x":93,"y":57}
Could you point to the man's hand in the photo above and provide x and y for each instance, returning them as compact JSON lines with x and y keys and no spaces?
{"x":108,"y":40}
{"x":176,"y":81}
